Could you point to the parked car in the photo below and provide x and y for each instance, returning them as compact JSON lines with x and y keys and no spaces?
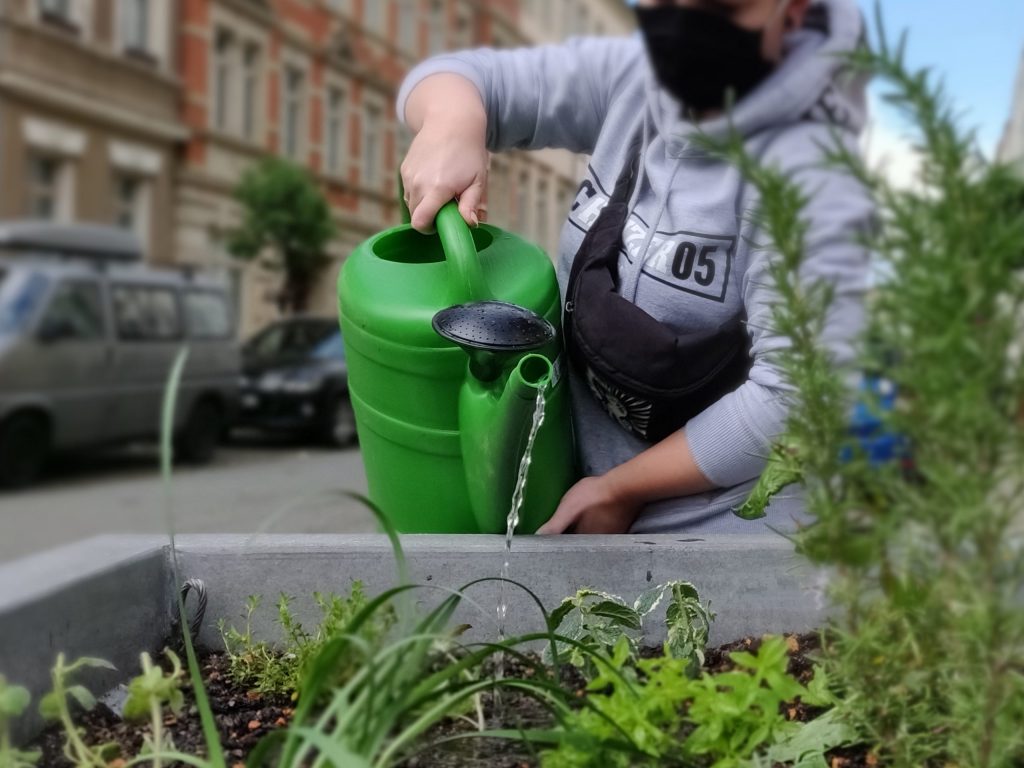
{"x":295,"y":380}
{"x":88,"y":335}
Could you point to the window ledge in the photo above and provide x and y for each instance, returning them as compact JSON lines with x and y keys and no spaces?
{"x":141,"y":55}
{"x":61,"y":22}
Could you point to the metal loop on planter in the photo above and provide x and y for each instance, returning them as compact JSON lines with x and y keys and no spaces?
{"x":197,"y":586}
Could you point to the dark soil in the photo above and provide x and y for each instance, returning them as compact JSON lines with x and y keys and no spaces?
{"x":244,"y":717}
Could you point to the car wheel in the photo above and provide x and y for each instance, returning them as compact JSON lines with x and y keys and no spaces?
{"x":340,"y":428}
{"x":24,"y":448}
{"x":197,"y":442}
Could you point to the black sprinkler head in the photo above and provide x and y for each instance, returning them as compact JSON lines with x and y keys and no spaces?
{"x":490,"y":331}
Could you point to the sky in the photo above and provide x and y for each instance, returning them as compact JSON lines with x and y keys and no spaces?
{"x":976,"y":46}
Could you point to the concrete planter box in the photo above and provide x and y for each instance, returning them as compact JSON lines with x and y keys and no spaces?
{"x":112,"y":596}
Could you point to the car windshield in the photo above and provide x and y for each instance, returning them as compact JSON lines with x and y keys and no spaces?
{"x":330,"y":349}
{"x":20,"y":294}
{"x":294,"y":338}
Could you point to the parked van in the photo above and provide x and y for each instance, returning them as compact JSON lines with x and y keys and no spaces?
{"x":88,"y":335}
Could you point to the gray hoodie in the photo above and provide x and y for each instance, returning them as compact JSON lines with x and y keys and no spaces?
{"x":590,"y":95}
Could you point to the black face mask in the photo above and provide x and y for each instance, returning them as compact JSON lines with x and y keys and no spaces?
{"x":699,"y":57}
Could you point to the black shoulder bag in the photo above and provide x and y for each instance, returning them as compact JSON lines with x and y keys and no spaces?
{"x":647,"y":377}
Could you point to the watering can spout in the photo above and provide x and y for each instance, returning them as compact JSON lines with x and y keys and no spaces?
{"x":495,"y":420}
{"x":499,"y":399}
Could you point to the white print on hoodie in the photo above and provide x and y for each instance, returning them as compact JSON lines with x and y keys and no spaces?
{"x":691,"y":257}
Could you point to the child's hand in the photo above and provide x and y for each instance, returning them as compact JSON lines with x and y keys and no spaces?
{"x":448,"y":159}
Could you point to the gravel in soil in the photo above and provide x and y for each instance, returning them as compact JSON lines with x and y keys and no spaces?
{"x":244,"y":717}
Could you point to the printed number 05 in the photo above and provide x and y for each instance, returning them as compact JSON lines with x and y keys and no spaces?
{"x":682,"y":267}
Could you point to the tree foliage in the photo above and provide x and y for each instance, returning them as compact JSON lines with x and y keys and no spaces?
{"x":287,"y":223}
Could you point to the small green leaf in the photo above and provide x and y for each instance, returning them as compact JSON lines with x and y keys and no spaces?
{"x":49,"y":706}
{"x":558,"y":615}
{"x":89,"y":662}
{"x":650,"y":600}
{"x":83,"y":696}
{"x":14,"y":700}
{"x":108,"y":751}
{"x":805,"y":747}
{"x":621,"y":615}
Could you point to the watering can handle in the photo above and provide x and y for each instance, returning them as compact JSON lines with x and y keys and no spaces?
{"x":465,"y":274}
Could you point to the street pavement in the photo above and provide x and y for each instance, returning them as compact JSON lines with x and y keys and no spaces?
{"x":253,"y":485}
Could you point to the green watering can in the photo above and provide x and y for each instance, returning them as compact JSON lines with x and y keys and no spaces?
{"x":442,"y":436}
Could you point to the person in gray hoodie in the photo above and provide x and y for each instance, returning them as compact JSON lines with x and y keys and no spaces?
{"x":670,"y":231}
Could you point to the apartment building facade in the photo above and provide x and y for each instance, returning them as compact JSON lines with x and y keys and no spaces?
{"x":1011,"y":148}
{"x":315,"y":81}
{"x":145,"y":114}
{"x":89,"y":127}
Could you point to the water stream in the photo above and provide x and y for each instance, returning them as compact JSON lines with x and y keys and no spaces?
{"x":513,"y":519}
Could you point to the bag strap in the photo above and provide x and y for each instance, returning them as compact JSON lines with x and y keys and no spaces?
{"x":625,"y":185}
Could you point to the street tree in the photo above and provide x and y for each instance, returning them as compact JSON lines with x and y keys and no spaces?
{"x":287,"y":225}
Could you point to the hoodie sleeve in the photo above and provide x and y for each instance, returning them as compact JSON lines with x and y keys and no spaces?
{"x":548,"y":96}
{"x":731,"y":439}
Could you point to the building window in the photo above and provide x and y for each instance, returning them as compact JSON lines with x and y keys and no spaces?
{"x":375,"y":16}
{"x":372,"y":128}
{"x":135,"y":25}
{"x":223,"y":58}
{"x":437,"y":26}
{"x":569,"y":14}
{"x":56,"y":7}
{"x":131,"y":210}
{"x":522,"y":198}
{"x":403,"y":140}
{"x":582,"y":21}
{"x":57,"y":10}
{"x":49,"y":190}
{"x":542,"y":213}
{"x":463,"y":32}
{"x":292,"y":104}
{"x":334,"y":130}
{"x":409,"y":27}
{"x":250,"y":89}
{"x":497,"y":194}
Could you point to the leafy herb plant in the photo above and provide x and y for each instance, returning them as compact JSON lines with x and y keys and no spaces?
{"x":14,"y":701}
{"x":148,"y":694}
{"x":57,"y":706}
{"x":671,"y":718}
{"x":599,"y":621}
{"x":928,"y":649}
{"x":279,"y":670}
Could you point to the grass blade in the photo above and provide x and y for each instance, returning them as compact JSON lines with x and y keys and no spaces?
{"x":210,"y":733}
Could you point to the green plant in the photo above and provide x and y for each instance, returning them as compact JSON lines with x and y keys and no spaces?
{"x":56,"y":706}
{"x":737,"y":713}
{"x":399,"y":689}
{"x":211,"y":735}
{"x":628,"y":723}
{"x":287,"y":214}
{"x":14,"y":701}
{"x":280,"y":670}
{"x":672,"y":718}
{"x":598,"y":621}
{"x":148,"y":694}
{"x":928,"y":649}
